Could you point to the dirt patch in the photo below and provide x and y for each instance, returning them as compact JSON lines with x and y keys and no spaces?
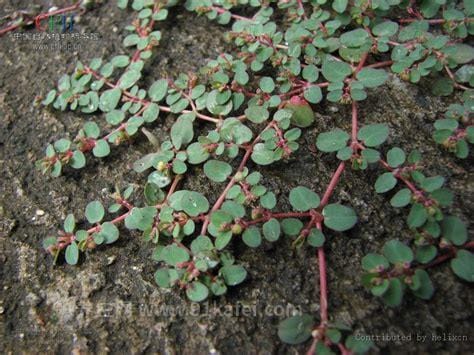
{"x":109,"y":303}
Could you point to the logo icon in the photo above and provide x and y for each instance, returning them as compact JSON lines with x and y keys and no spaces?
{"x":56,"y":23}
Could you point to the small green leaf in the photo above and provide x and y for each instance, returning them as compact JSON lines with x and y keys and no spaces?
{"x":385,"y":182}
{"x":442,"y":87}
{"x":401,"y":198}
{"x":197,"y":153}
{"x":140,"y":218}
{"x":217,"y":171}
{"x":371,"y":155}
{"x":316,"y":238}
{"x":114,"y":117}
{"x":345,"y":153}
{"x":449,"y":124}
{"x":62,"y":145}
{"x":261,"y":155}
{"x":110,"y":232}
{"x":151,"y":113}
{"x":56,"y":170}
{"x":374,"y":263}
{"x":120,"y":61}
{"x":222,"y":240}
{"x":78,"y":160}
{"x":335,"y":71}
{"x":173,"y":254}
{"x":109,"y":99}
{"x":354,"y":38}
{"x":417,"y":216}
{"x":122,"y":4}
{"x":425,"y":253}
{"x":252,"y":237}
{"x":182,"y":131}
{"x":387,"y":28}
{"x":373,"y":135}
{"x":233,"y":274}
{"x":162,"y":277}
{"x":267,"y":84}
{"x":463,"y":265}
{"x":101,"y":148}
{"x":94,"y":212}
{"x":197,"y":291}
{"x":296,"y":329}
{"x":91,"y":129}
{"x":291,"y":226}
{"x":379,"y":290}
{"x":393,"y":296}
{"x":310,"y":73}
{"x":268,"y":200}
{"x":460,"y":53}
{"x":257,"y":114}
{"x":191,"y":202}
{"x":201,"y":244}
{"x":395,"y":157}
{"x":72,"y":253}
{"x":426,"y":289}
{"x":339,"y":5}
{"x":49,"y":242}
{"x":158,"y":90}
{"x":397,"y":252}
{"x":129,"y":78}
{"x":303,"y":199}
{"x":432,"y":183}
{"x":271,"y":230}
{"x":454,"y":230}
{"x":302,"y":113}
{"x":159,"y":178}
{"x":313,"y":94}
{"x":334,"y":335}
{"x":69,"y":223}
{"x":50,"y":97}
{"x":372,"y":78}
{"x":332,"y":141}
{"x":338,"y":217}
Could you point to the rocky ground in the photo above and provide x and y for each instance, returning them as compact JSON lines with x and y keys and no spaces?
{"x":109,"y":303}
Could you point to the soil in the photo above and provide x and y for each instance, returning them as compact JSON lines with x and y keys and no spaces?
{"x":110,"y":303}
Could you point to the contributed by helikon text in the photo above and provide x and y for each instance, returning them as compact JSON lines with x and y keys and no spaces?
{"x":447,"y":337}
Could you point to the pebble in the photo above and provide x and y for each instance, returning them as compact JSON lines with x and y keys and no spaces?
{"x":111,"y":259}
{"x":2,"y":310}
{"x":40,"y":212}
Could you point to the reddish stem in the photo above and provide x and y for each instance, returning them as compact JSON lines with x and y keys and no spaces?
{"x":439,"y":21}
{"x":279,"y":215}
{"x":354,"y":123}
{"x":332,"y":184}
{"x":386,"y":63}
{"x":173,"y":186}
{"x":114,"y":221}
{"x":235,"y":17}
{"x":10,"y":28}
